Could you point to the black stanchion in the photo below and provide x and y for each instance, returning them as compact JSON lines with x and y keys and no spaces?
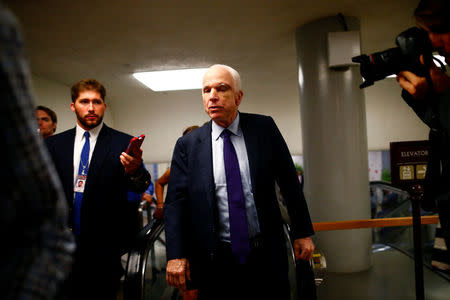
{"x":409,"y":161}
{"x":416,"y":196}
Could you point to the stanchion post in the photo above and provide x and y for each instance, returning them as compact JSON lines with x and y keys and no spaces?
{"x":416,"y":196}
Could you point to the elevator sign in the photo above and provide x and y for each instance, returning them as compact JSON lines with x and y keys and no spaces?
{"x":408,"y":163}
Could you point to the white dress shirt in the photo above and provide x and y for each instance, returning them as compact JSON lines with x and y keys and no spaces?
{"x":79,"y":143}
{"x":237,"y":139}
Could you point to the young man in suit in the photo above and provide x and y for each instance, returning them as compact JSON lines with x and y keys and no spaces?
{"x":223,"y":224}
{"x":96,"y":174}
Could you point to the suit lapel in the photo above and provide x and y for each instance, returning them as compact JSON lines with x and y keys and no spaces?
{"x":205,"y":162}
{"x":102,"y":148}
{"x":66,"y":150}
{"x":251,"y":143}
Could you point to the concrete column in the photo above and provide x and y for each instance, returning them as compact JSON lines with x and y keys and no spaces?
{"x":334,"y":146}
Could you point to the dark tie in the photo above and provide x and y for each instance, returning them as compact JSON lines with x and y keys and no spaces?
{"x":236,"y":202}
{"x":82,"y":170}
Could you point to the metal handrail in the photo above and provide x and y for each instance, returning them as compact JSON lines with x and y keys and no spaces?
{"x":137,"y":260}
{"x":371,"y":223}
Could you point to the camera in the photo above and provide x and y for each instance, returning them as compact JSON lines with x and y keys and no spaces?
{"x":411,"y":43}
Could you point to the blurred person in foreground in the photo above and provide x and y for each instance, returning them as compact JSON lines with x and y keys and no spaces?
{"x":430,"y":99}
{"x":37,"y":245}
{"x":224,"y":229}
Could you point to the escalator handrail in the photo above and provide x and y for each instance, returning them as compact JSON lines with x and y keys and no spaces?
{"x":388,"y":186}
{"x":137,"y":258}
{"x":406,"y":202}
{"x":426,"y":264}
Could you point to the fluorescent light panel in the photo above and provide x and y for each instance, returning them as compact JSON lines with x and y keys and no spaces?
{"x":172,"y":80}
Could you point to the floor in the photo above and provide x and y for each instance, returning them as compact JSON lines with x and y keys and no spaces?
{"x":390,"y":277}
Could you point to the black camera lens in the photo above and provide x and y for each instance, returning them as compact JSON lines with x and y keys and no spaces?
{"x":411,"y":43}
{"x":379,"y":65}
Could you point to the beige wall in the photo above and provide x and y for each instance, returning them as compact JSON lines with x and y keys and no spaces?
{"x":162,"y":116}
{"x":389,"y":118}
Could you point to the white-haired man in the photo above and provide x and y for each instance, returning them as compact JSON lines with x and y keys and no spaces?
{"x":223,"y":225}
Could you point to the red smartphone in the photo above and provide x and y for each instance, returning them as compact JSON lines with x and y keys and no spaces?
{"x":135,"y":144}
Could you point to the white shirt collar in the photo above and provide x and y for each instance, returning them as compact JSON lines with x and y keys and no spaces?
{"x":93,"y":133}
{"x":234,"y":127}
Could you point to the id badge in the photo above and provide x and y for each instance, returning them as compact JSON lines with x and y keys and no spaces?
{"x":80,"y":182}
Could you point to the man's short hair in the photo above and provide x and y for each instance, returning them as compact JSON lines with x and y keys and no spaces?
{"x":189,"y":129}
{"x":435,"y":14}
{"x":87,"y":85}
{"x":234,"y":74}
{"x":49,"y":112}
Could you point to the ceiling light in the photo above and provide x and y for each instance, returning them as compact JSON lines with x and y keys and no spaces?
{"x":172,"y":80}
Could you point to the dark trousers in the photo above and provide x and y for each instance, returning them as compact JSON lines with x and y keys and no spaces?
{"x":94,"y":277}
{"x":260,"y":278}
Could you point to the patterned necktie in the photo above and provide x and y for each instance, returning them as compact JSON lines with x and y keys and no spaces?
{"x":240,"y":245}
{"x":82,"y":170}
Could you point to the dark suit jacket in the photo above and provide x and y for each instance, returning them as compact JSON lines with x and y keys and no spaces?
{"x":190,"y":206}
{"x":108,"y":221}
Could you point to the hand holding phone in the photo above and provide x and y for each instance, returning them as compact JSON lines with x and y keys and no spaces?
{"x":135,"y":144}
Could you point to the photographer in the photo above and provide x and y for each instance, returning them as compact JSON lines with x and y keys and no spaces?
{"x":430,"y":99}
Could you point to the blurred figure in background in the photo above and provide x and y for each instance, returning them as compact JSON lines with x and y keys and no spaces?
{"x":159,"y":192}
{"x":47,"y":120}
{"x":301,"y":177}
{"x":148,"y":203}
{"x":147,"y":196}
{"x":163,"y":181}
{"x":37,"y":246}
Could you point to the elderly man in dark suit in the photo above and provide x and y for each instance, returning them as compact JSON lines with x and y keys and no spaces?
{"x":223,"y":224}
{"x":96,"y":174}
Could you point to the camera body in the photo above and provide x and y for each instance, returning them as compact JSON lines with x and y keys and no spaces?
{"x":411,"y":44}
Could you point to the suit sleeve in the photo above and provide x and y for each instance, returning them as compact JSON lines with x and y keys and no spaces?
{"x":423,"y":109}
{"x":287,"y":179}
{"x":175,"y":204}
{"x":140,"y":181}
{"x":432,"y":117}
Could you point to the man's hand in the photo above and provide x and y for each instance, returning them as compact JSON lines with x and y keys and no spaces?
{"x":418,"y":86}
{"x":159,"y":213}
{"x":303,"y":248}
{"x":131,"y":163}
{"x":177,"y":272}
{"x":147,"y":198}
